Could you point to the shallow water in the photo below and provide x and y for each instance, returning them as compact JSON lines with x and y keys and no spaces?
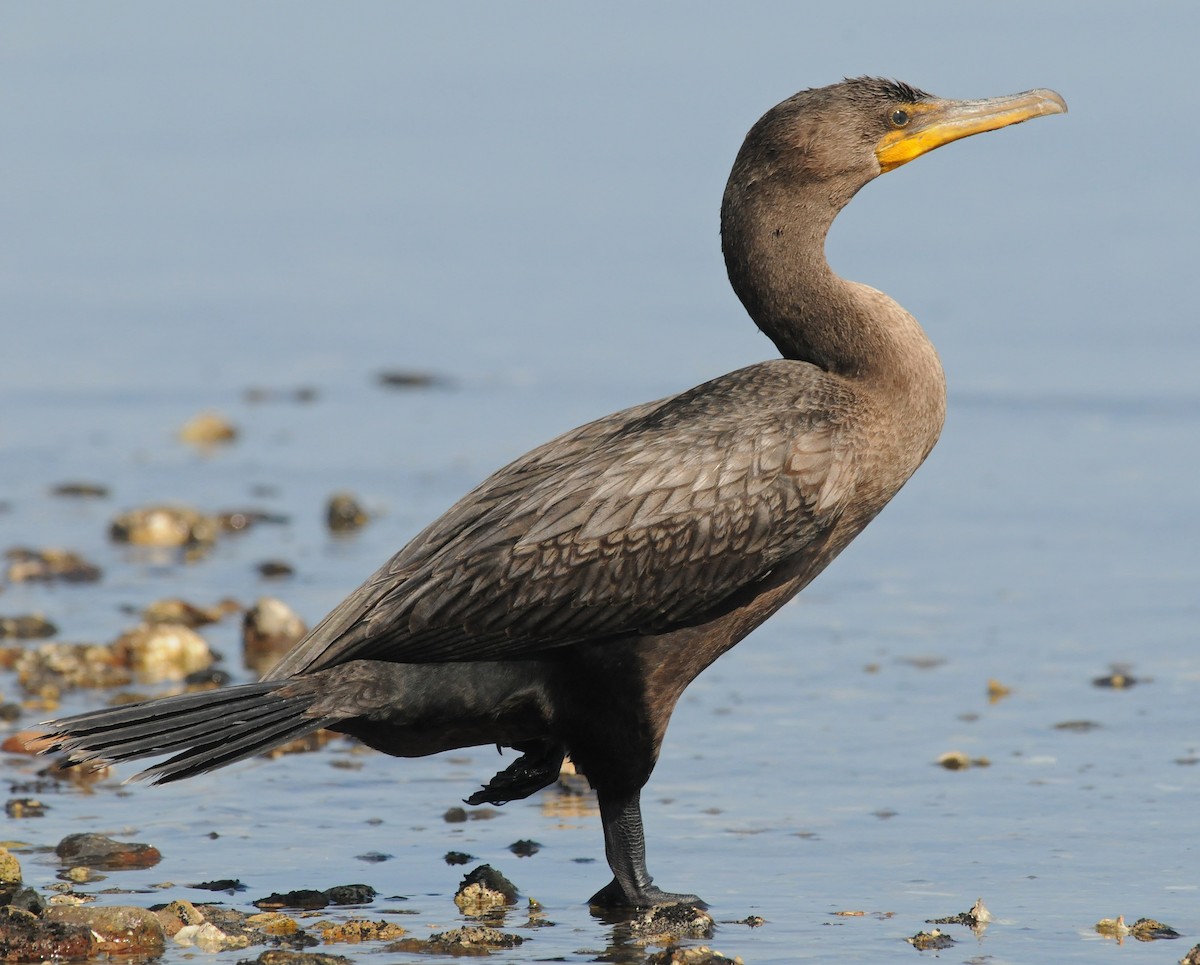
{"x":523,"y":200}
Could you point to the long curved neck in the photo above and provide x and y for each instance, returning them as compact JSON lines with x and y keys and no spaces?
{"x":774,"y":244}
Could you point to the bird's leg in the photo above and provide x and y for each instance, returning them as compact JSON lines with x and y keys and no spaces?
{"x":538,"y":766}
{"x":625,"y":847}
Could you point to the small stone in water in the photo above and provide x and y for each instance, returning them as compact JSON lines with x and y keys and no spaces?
{"x":28,"y":626}
{"x":275,"y":569}
{"x":344,"y":513}
{"x":269,"y":629}
{"x":24,"y":807}
{"x":206,"y":429}
{"x":163,"y":526}
{"x":49,"y":565}
{"x":525,"y":848}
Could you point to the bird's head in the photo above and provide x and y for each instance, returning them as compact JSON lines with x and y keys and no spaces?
{"x":843,"y":135}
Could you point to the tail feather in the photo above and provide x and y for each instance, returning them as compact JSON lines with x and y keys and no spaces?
{"x":209,"y":729}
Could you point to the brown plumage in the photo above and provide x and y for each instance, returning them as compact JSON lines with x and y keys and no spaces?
{"x":563,"y":606}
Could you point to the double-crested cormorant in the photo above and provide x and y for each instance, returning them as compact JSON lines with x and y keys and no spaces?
{"x":563,"y":606}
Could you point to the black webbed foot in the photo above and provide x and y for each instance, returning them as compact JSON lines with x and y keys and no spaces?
{"x":612,"y":896}
{"x":538,"y":766}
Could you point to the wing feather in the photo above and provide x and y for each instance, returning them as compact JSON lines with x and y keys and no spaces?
{"x":642,"y":520}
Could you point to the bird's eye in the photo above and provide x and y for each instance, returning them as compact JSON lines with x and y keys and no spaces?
{"x":899,"y":118}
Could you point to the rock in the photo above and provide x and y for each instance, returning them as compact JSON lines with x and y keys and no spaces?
{"x":49,"y":565}
{"x":80,"y":490}
{"x":927,"y":940}
{"x":24,"y":807}
{"x":163,"y":526}
{"x":350,"y":894}
{"x":228,"y":885}
{"x":26,"y":899}
{"x":278,"y":956}
{"x":306,"y":898}
{"x":162,"y":651}
{"x":470,"y":940}
{"x":30,"y":626}
{"x":10,"y":869}
{"x":375,"y":857}
{"x":25,"y":937}
{"x":115,"y":930}
{"x":690,"y":956}
{"x":410,"y":379}
{"x":50,"y":668}
{"x":209,"y":938}
{"x":1149,"y":930}
{"x":457,"y":857}
{"x":670,"y":924}
{"x":343,"y":513}
{"x":207,"y":429}
{"x":484,"y":890}
{"x":101,"y":851}
{"x":525,"y":848}
{"x":275,"y":569}
{"x":359,"y":930}
{"x":174,"y":610}
{"x":1192,"y":957}
{"x":178,"y":915}
{"x":269,"y":630}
